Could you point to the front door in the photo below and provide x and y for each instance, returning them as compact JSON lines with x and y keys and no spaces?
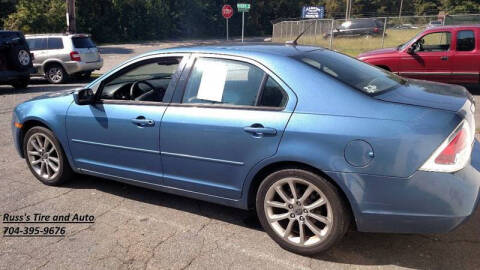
{"x":120,"y":134}
{"x":429,"y":59}
{"x":231,"y":116}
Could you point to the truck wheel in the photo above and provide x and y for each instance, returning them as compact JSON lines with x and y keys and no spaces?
{"x":19,"y":57}
{"x":21,"y":83}
{"x":56,"y":74}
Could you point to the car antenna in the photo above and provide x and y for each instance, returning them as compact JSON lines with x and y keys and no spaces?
{"x":294,"y":42}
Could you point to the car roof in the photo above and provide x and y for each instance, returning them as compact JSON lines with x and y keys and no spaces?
{"x":446,"y":27}
{"x":242,"y":49}
{"x":57,"y":35}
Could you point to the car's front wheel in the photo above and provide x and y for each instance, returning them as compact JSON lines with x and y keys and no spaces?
{"x":45,"y":157}
{"x":301,"y":211}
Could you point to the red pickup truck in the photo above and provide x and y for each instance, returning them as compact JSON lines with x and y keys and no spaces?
{"x":448,"y":54}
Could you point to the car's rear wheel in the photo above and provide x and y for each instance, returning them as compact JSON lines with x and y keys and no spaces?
{"x":45,"y":157}
{"x":56,"y":74}
{"x":301,"y":211}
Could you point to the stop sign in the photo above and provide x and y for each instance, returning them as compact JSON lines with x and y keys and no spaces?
{"x":227,"y":11}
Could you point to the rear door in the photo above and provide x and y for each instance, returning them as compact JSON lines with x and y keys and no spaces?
{"x":86,"y":48}
{"x":431,"y":60}
{"x":466,"y":57}
{"x":230,"y":116}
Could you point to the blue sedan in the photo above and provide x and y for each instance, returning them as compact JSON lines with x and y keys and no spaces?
{"x":315,"y":141}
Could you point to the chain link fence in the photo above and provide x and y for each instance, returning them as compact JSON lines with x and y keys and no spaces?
{"x":362,"y":34}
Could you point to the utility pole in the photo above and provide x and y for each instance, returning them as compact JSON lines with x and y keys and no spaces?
{"x":401,"y":6}
{"x":71,"y":18}
{"x":347,"y":4}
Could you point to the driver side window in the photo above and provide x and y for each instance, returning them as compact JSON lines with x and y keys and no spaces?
{"x":147,"y":81}
{"x":435,"y":42}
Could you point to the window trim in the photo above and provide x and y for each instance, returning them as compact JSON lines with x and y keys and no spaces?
{"x":267,"y":73}
{"x":130,"y":65}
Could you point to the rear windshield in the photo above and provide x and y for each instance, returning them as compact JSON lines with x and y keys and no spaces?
{"x":83,"y":42}
{"x":359,"y":75}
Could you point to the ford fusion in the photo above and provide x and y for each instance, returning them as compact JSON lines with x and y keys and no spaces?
{"x":315,"y":141}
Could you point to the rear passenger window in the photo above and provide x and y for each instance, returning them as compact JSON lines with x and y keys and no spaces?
{"x":465,"y":40}
{"x":55,"y":43}
{"x":220,"y":81}
{"x":36,"y":44}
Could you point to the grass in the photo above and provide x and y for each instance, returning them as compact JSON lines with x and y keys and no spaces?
{"x":355,"y":45}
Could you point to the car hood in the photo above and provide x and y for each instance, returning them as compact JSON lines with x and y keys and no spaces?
{"x":54,"y":95}
{"x":378,"y":52}
{"x":428,"y":94}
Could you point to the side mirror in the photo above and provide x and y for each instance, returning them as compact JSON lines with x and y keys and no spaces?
{"x":84,"y":96}
{"x":411,"y":49}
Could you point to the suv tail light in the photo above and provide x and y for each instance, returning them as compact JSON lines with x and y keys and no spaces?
{"x":376,"y":30}
{"x":75,"y":56}
{"x":454,"y":153}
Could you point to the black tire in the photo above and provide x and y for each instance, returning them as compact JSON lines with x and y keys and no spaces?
{"x":21,"y":83}
{"x":64,"y":173}
{"x":56,"y":74}
{"x":19,"y":57}
{"x":340,"y":213}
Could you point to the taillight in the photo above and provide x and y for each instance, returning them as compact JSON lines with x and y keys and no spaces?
{"x":75,"y":56}
{"x":454,"y":153}
{"x":375,"y":30}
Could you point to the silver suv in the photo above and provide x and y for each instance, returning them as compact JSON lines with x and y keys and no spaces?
{"x":58,"y":56}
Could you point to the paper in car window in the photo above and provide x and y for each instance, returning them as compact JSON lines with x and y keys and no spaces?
{"x":213,"y":81}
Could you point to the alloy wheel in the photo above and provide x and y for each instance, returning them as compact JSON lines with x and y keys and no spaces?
{"x":43,"y":156}
{"x":55,"y":74}
{"x":24,"y":57}
{"x":298,"y":212}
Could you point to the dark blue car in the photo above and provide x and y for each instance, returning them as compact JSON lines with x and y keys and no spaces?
{"x":315,"y":141}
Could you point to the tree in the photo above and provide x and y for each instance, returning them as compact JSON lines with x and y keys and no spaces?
{"x":40,"y":16}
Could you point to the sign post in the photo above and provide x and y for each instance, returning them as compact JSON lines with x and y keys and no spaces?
{"x":243,"y":7}
{"x":227,"y":13}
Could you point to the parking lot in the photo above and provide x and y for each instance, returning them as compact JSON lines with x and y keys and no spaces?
{"x":136,"y":228}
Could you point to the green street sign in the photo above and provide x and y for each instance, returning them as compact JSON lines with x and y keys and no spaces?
{"x":243,"y":7}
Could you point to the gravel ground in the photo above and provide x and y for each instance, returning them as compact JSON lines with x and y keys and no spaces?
{"x":136,"y":228}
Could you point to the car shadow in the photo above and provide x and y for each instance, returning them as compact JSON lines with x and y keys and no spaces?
{"x":114,"y":50}
{"x":455,"y":250}
{"x":40,"y":85}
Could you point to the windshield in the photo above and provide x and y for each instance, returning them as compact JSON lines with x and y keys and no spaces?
{"x":83,"y":42}
{"x":359,"y":75}
{"x":404,"y":45}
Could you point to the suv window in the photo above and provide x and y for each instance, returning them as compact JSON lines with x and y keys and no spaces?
{"x":350,"y":71}
{"x":36,"y":44}
{"x":82,"y":42}
{"x":435,"y":42}
{"x":220,"y":81}
{"x":55,"y":43}
{"x":465,"y":40}
{"x":148,"y":81}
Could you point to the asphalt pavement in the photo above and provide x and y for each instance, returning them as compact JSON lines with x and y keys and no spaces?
{"x":137,"y":228}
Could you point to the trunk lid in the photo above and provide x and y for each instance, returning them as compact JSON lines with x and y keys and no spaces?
{"x":428,"y":94}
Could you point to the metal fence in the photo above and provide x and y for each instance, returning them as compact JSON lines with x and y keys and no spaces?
{"x":373,"y":33}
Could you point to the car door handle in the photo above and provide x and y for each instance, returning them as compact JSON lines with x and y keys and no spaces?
{"x":142,"y":122}
{"x":444,"y":58}
{"x":259,"y":130}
